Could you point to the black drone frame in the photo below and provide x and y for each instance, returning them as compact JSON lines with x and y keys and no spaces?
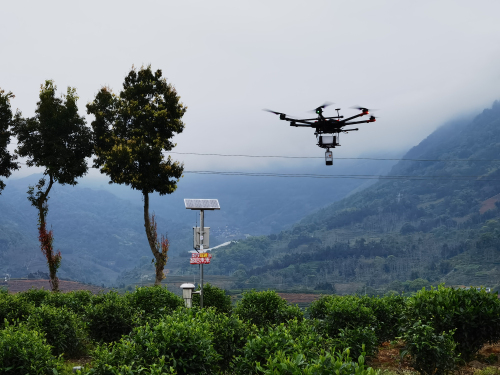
{"x":328,"y":125}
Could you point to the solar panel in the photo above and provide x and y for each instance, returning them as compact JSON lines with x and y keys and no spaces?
{"x":202,"y":204}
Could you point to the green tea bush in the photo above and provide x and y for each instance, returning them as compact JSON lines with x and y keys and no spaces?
{"x":474,"y":315}
{"x":229,"y":333}
{"x":263,"y":344}
{"x":359,"y":340}
{"x":266,"y":308}
{"x":388,"y":311}
{"x":158,"y":368}
{"x":109,"y":317}
{"x":63,"y":329}
{"x":431,"y":352}
{"x":153,"y":301}
{"x":294,"y":338}
{"x":214,"y":297}
{"x":335,"y":314}
{"x":14,"y":308}
{"x":23,"y":351}
{"x":76,"y":301}
{"x":182,"y":342}
{"x":319,"y":308}
{"x":327,"y":364}
{"x":35,"y":296}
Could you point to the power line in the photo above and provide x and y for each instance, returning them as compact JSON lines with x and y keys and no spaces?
{"x":322,"y":157}
{"x":346,"y":176}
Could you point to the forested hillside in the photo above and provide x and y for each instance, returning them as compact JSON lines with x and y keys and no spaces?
{"x":100,"y":232}
{"x":433,"y":219}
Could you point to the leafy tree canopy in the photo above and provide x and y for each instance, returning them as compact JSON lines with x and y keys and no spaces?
{"x":132,"y":130}
{"x":56,"y":138}
{"x":7,"y":164}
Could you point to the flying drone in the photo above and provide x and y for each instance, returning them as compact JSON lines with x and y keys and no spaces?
{"x":327,"y":129}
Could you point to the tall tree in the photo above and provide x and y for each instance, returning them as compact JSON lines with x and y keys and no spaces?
{"x":131,"y":132}
{"x":7,"y":164}
{"x":56,"y":139}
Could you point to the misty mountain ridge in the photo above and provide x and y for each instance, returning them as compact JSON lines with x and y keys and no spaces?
{"x":99,"y":228}
{"x":432,"y":220}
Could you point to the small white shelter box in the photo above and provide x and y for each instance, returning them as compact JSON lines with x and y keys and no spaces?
{"x":187,"y":294}
{"x":196,"y":238}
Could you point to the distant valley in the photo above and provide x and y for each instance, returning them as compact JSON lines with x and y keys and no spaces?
{"x":100,"y":232}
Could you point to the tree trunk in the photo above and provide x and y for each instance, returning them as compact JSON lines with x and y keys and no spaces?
{"x":46,"y":238}
{"x":152,"y":240}
{"x":42,"y":211}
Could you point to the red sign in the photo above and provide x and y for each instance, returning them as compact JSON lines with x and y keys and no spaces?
{"x":200,"y":258}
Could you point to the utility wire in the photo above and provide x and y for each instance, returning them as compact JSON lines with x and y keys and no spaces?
{"x":353,"y":176}
{"x":322,"y":157}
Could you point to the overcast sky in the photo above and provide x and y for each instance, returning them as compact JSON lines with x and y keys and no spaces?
{"x":419,"y":62}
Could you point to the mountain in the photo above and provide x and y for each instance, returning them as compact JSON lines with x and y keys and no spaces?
{"x":99,"y":228}
{"x":434,"y":218}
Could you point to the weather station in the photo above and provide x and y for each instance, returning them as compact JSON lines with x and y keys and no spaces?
{"x":328,"y":129}
{"x":201,"y":236}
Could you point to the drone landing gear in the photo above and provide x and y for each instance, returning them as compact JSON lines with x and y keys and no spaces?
{"x":328,"y":157}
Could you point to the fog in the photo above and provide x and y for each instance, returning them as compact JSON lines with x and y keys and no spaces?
{"x":419,"y":63}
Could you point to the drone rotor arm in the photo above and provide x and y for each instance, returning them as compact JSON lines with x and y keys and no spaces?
{"x":360,"y":122}
{"x":355,"y":116}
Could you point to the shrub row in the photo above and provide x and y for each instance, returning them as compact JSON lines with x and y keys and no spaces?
{"x":150,"y":331}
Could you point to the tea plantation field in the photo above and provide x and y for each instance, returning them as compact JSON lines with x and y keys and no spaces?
{"x":149,"y":331}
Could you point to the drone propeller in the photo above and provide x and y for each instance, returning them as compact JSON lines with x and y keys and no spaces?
{"x":364,"y":109}
{"x":321,"y":107}
{"x":276,"y":113}
{"x":282,"y":115}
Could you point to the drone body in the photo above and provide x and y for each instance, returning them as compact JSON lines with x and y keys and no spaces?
{"x":327,"y":129}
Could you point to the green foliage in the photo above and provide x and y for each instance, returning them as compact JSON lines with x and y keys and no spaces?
{"x":297,"y":337}
{"x":153,"y":301}
{"x":359,"y":340}
{"x":340,"y":313}
{"x":229,"y":333}
{"x":265,"y":308}
{"x":264,"y":343}
{"x":133,"y":129}
{"x":109,"y":317}
{"x":157,"y":368}
{"x":56,"y":138}
{"x":76,"y":301}
{"x":7,"y":164}
{"x":326,"y":364}
{"x":473,"y":314}
{"x":431,"y":352}
{"x":214,"y":297}
{"x":35,"y":296}
{"x":63,"y":329}
{"x":23,"y":351}
{"x":183,"y":343}
{"x":388,"y":311}
{"x":319,"y":308}
{"x":488,"y":371}
{"x":14,"y":308}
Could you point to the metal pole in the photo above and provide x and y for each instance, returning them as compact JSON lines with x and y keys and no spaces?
{"x":202,"y":233}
